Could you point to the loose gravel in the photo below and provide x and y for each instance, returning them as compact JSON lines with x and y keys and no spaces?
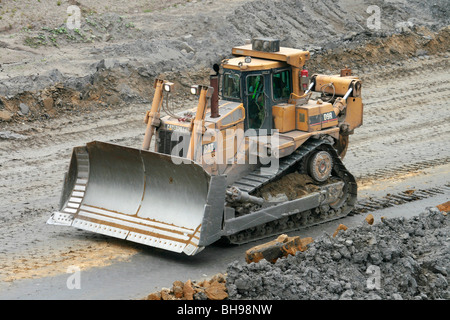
{"x":397,"y":258}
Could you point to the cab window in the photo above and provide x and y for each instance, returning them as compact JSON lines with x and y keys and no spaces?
{"x":281,"y":82}
{"x":231,"y":86}
{"x":256,"y":101}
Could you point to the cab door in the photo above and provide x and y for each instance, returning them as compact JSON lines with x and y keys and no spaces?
{"x":257,"y":102}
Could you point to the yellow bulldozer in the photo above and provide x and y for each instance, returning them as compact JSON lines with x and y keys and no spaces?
{"x":260,"y":155}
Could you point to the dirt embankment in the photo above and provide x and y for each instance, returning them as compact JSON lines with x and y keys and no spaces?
{"x":114,"y":84}
{"x":113,"y":58}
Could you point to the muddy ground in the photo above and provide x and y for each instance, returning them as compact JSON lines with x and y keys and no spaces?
{"x":61,"y":88}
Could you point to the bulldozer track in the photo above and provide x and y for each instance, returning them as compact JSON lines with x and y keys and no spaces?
{"x":410,"y":69}
{"x":406,"y":168}
{"x":256,"y":179}
{"x":319,"y":217}
{"x":66,"y":131}
{"x":397,"y":119}
{"x":390,"y":200}
{"x":307,"y":218}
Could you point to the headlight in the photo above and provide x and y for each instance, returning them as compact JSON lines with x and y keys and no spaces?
{"x":168,"y":86}
{"x":194,"y":90}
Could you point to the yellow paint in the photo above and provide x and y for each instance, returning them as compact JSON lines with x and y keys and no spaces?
{"x":255,"y":64}
{"x":284,"y":117}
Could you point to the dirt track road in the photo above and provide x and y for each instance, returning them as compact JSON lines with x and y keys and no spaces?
{"x":402,"y":145}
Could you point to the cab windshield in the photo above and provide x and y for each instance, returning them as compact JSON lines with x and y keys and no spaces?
{"x":231,"y":86}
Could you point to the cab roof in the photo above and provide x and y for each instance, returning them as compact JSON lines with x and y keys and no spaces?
{"x":239,"y":63}
{"x":293,"y":57}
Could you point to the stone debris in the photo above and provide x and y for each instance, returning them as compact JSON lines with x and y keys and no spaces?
{"x":24,"y":109}
{"x":370,"y":219}
{"x":396,"y":259}
{"x":275,"y":249}
{"x":11,"y":135}
{"x":444,"y":207}
{"x":212,"y":289}
{"x":339,"y":228}
{"x":216,"y":291}
{"x":5,"y":115}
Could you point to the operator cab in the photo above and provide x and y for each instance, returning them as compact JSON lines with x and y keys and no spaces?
{"x":259,"y":84}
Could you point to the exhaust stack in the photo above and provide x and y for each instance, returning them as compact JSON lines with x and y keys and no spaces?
{"x":214,"y":83}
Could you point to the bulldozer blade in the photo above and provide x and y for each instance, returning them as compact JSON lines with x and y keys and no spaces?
{"x":141,"y":196}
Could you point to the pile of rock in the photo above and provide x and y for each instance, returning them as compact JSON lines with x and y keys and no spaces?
{"x":212,"y":289}
{"x":396,"y":259}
